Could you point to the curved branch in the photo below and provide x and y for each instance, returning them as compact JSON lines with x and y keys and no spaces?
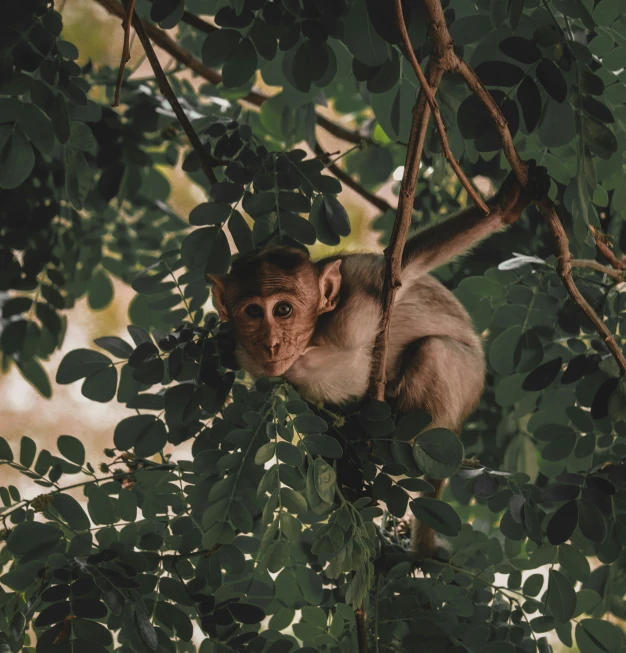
{"x":125,"y":58}
{"x":565,"y":272}
{"x":434,"y":107}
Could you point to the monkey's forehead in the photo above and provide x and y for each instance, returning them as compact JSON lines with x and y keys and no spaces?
{"x":267,"y":284}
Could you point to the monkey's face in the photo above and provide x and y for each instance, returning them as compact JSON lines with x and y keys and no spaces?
{"x":274,"y":299}
{"x":274,"y":331}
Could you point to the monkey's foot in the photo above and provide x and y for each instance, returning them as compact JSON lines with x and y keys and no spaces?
{"x":512,"y":198}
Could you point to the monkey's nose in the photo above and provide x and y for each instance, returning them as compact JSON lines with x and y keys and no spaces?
{"x":272,"y":350}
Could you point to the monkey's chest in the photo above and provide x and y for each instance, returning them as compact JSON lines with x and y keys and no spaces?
{"x":331,"y":375}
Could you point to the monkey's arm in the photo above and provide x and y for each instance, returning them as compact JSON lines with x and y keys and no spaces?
{"x":436,"y":245}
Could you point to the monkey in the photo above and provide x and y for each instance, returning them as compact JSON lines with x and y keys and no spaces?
{"x":314,"y":323}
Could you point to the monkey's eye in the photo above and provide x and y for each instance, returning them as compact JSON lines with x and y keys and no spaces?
{"x":254,"y":311}
{"x":282,"y":309}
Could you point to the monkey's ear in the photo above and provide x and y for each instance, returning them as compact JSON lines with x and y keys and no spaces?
{"x":218,"y":291}
{"x":330,"y":284}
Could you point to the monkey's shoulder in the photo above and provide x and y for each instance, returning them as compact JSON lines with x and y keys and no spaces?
{"x":361,"y":272}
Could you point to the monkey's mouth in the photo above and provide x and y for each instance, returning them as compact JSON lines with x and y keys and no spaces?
{"x":277,"y":367}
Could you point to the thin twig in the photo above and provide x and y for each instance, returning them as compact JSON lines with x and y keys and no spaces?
{"x":603,"y":247}
{"x":594,"y":265}
{"x":565,"y":272}
{"x":346,"y":179}
{"x":165,"y":42}
{"x":434,"y":107}
{"x":546,"y":208}
{"x":166,"y":89}
{"x":125,"y":58}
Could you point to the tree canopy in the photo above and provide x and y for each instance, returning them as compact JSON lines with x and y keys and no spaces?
{"x":229,"y":514}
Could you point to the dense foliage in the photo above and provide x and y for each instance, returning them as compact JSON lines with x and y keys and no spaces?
{"x":285,"y":516}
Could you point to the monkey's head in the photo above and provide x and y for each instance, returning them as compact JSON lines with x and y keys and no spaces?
{"x":274,"y":297}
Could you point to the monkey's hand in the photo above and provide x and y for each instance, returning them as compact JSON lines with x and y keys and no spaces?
{"x":513,"y":198}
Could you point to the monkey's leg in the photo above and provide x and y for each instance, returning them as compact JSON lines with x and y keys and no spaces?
{"x":445,"y":378}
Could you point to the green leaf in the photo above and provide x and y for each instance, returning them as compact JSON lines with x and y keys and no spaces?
{"x":77,"y":177}
{"x":310,"y":424}
{"x":563,"y":523}
{"x":80,"y":363}
{"x":437,"y":514}
{"x":17,"y":159}
{"x":71,"y":448}
{"x":101,"y":385}
{"x":5,"y":450}
{"x":264,"y":453}
{"x":100,"y":291}
{"x":28,"y":449}
{"x":561,"y":597}
{"x":30,"y":535}
{"x":146,"y":629}
{"x":574,"y":562}
{"x":218,"y":256}
{"x":288,"y":453}
{"x":36,"y":375}
{"x":438,"y":452}
{"x":60,"y":118}
{"x":115,"y":346}
{"x":362,"y":39}
{"x":597,"y":636}
{"x":325,"y":480}
{"x":71,"y":511}
{"x":100,"y":505}
{"x":81,"y":137}
{"x":37,"y":127}
{"x":219,"y":46}
{"x":241,"y":65}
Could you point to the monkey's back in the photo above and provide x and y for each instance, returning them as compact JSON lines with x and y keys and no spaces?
{"x":337,"y":367}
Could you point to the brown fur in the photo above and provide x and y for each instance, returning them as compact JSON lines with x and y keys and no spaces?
{"x":435,"y":359}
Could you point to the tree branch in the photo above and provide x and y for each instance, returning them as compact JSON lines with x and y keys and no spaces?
{"x":125,"y":53}
{"x":619,"y":274}
{"x":547,"y":210}
{"x":602,"y":244}
{"x":395,"y":249}
{"x":565,"y":272}
{"x":198,"y":23}
{"x":166,"y":89}
{"x":165,"y":42}
{"x":434,"y":107}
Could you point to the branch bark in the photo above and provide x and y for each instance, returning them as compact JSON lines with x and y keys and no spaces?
{"x":434,"y":107}
{"x":395,"y":249}
{"x":125,"y":58}
{"x":166,"y":89}
{"x":604,"y":249}
{"x":618,"y":274}
{"x":565,"y":272}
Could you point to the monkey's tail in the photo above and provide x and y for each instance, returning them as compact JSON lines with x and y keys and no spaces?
{"x":423,"y":540}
